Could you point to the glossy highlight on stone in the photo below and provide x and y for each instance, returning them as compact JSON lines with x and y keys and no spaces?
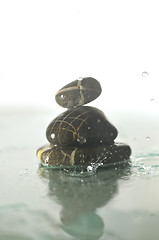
{"x":76,"y":156}
{"x":81,"y":126}
{"x":78,"y":93}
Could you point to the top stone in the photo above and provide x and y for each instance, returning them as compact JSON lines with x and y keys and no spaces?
{"x":78,"y":92}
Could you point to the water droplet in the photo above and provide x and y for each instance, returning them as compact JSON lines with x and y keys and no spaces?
{"x":82,"y":160}
{"x":98,"y":121}
{"x":53,"y":135}
{"x":100,"y":141}
{"x":145,"y":74}
{"x":47,"y":160}
{"x":89,"y":168}
{"x":89,"y":128}
{"x":152,"y":99}
{"x":81,"y":140}
{"x":80,"y":78}
{"x":148,"y":138}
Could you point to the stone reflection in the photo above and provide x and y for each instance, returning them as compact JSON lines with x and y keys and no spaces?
{"x":81,"y":197}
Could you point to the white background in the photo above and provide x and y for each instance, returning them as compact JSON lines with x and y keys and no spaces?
{"x":46,"y":44}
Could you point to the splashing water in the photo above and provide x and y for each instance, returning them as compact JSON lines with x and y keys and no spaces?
{"x":145,"y":165}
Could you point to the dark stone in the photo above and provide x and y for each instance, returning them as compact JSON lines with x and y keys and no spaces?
{"x":81,"y":126}
{"x":78,"y":93}
{"x":83,"y":155}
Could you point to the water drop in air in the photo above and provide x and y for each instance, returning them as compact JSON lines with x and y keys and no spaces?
{"x":148,"y":138}
{"x":152,"y":99}
{"x":145,"y":74}
{"x":98,"y":120}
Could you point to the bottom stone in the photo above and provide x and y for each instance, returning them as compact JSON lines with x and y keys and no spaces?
{"x":55,"y":156}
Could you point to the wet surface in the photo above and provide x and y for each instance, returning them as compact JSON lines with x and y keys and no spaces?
{"x":40,"y":203}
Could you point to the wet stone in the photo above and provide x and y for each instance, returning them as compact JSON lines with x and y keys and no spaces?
{"x":81,"y":126}
{"x":56,"y":156}
{"x":78,"y":93}
{"x":81,"y":138}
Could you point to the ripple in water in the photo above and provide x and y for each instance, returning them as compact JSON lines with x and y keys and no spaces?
{"x":146,"y":164}
{"x":81,"y":171}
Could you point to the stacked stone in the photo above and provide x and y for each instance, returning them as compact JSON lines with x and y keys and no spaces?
{"x":82,"y":135}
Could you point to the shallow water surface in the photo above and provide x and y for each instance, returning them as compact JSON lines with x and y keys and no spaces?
{"x":37,"y":203}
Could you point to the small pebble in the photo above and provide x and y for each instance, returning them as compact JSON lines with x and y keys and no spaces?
{"x":78,"y":93}
{"x":81,"y":126}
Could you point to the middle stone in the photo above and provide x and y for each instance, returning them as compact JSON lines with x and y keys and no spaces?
{"x":82,"y":125}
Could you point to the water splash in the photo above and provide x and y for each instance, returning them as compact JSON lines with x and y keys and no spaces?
{"x":86,"y":168}
{"x":89,"y":168}
{"x":145,"y":164}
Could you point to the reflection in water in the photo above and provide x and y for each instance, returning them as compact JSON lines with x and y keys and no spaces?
{"x":81,"y":197}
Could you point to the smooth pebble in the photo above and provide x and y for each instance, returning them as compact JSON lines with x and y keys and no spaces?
{"x":78,"y":93}
{"x":81,"y":126}
{"x":72,"y":156}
